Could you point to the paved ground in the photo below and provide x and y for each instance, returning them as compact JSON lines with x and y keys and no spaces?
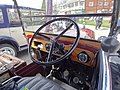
{"x":24,"y":56}
{"x":100,"y":32}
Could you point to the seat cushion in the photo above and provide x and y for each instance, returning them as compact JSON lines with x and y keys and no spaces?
{"x":37,"y":83}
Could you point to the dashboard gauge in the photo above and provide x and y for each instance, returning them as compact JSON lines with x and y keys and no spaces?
{"x":83,"y":57}
{"x":76,"y":80}
{"x":47,"y":46}
{"x":66,"y":73}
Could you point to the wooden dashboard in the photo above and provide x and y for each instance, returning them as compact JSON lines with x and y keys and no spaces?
{"x":90,"y":47}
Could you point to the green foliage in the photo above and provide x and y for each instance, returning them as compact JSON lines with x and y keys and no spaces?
{"x":105,"y":23}
{"x":26,"y":88}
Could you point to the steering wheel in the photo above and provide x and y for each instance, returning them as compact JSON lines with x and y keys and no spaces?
{"x":48,"y":60}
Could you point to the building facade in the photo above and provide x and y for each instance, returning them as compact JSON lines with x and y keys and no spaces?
{"x":70,"y":7}
{"x":98,"y":6}
{"x":82,"y":6}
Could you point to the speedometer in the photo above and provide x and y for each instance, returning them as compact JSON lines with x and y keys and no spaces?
{"x":83,"y":57}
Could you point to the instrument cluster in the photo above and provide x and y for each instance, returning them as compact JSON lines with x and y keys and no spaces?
{"x":84,"y":53}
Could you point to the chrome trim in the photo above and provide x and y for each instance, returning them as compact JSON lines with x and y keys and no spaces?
{"x":105,"y":73}
{"x":83,"y":57}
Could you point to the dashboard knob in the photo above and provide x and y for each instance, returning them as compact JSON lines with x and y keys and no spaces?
{"x":76,"y":80}
{"x":47,"y":46}
{"x":66,"y":73}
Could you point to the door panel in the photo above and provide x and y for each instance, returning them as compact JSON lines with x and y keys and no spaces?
{"x":17,"y":34}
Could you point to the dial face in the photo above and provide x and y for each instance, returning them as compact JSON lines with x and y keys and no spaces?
{"x":48,"y":46}
{"x":83,"y":57}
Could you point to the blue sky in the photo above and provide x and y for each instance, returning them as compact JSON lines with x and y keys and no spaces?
{"x":28,"y":3}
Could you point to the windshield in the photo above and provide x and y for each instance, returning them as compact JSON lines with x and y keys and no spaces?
{"x":91,"y":27}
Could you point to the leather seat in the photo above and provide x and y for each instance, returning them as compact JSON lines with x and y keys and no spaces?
{"x":37,"y":83}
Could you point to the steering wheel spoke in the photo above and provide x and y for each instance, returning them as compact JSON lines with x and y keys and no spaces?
{"x":50,"y":51}
{"x":63,"y":32}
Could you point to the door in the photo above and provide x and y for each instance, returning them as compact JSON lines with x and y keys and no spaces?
{"x":15,"y":27}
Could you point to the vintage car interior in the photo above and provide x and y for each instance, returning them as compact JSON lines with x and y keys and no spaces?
{"x":71,"y":61}
{"x":61,"y":61}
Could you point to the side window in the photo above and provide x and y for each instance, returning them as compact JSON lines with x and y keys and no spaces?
{"x":13,"y":17}
{"x":37,"y":20}
{"x":1,"y":16}
{"x":118,"y":23}
{"x":26,"y":12}
{"x":31,"y":20}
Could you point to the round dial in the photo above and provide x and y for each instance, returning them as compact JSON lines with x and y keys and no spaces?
{"x":83,"y":57}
